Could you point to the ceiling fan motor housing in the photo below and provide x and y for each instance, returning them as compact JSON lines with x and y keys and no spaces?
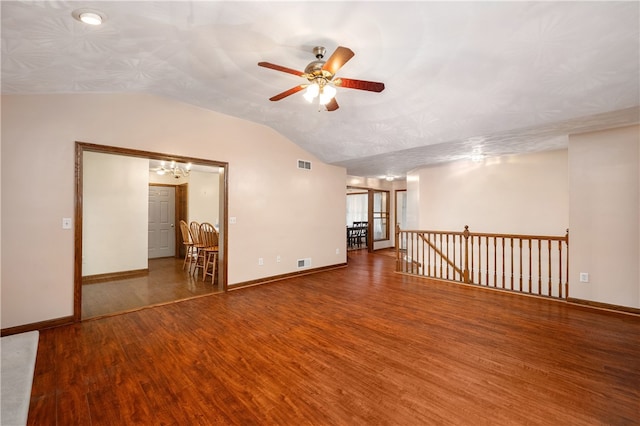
{"x":314,"y":69}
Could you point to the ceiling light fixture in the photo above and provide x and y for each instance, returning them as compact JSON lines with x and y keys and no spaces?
{"x":174,"y":169}
{"x":88,"y":16}
{"x":477,"y":155}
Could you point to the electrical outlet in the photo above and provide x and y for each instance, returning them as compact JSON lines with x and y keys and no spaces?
{"x":66,"y":223}
{"x":278,"y":259}
{"x":260,"y":261}
{"x":337,"y":251}
{"x":232,"y":220}
{"x":584,"y":277}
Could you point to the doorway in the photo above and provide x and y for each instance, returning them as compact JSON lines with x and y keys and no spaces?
{"x":111,"y":246}
{"x":369,"y":208}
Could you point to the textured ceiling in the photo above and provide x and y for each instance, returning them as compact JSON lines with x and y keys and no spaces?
{"x":462,"y":78}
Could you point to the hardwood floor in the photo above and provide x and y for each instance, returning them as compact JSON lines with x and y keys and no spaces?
{"x":165,"y":283}
{"x":358,"y":345}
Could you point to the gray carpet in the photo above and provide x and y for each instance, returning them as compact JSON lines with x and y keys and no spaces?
{"x":16,"y":376}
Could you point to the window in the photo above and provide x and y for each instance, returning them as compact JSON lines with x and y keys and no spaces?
{"x":401,"y":208}
{"x":380,"y":215}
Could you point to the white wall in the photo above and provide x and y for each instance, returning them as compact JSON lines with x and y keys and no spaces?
{"x":518,"y":194}
{"x":115,"y":213}
{"x":605,"y":215}
{"x":280,"y":210}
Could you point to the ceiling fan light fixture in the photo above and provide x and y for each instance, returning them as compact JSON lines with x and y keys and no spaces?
{"x":326,"y":94}
{"x":312,"y":92}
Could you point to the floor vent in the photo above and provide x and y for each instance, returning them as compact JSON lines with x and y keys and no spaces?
{"x":305,"y":165}
{"x":304,"y":263}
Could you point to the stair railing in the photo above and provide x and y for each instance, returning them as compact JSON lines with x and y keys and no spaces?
{"x":532,"y":264}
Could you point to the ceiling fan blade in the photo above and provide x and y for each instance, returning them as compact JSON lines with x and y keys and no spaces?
{"x":286,"y":93}
{"x":338,"y":59}
{"x":280,"y":68}
{"x":349,"y":83}
{"x":332,"y":105}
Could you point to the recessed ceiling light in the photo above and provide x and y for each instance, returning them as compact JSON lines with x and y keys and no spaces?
{"x":88,"y":16}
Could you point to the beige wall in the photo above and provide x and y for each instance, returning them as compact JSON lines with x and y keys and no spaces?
{"x":115,"y":213}
{"x":204,"y":197}
{"x":518,"y":194}
{"x":604,"y":216}
{"x":280,"y":210}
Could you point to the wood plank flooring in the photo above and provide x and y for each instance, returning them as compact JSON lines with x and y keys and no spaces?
{"x":359,"y":345}
{"x":166,"y":282}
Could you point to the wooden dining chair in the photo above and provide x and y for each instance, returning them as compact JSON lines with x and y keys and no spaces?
{"x":209,"y":251}
{"x":194,"y":231}
{"x":363,"y":235}
{"x":209,"y":237}
{"x":187,"y":243}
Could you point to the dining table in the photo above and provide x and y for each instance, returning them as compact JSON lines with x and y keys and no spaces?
{"x":356,"y":233}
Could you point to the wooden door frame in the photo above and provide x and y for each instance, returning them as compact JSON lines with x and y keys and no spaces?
{"x":81,"y":147}
{"x":182,"y":213}
{"x":395,"y":203}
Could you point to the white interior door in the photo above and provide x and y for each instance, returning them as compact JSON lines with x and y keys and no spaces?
{"x":162,"y":236}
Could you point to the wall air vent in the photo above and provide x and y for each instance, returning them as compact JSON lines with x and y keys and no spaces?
{"x":304,"y":263}
{"x":306,"y":165}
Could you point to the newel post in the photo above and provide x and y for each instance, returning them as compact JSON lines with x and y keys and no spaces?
{"x":465,"y":234}
{"x":566,"y":284}
{"x":397,"y":247}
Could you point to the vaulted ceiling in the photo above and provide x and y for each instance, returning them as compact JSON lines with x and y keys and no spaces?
{"x":462,"y":78}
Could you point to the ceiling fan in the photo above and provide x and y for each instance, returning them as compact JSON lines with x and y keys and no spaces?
{"x":320,"y":75}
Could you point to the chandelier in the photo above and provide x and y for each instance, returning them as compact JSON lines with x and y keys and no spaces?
{"x":173,"y":168}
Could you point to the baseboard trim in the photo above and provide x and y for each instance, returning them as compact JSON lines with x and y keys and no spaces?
{"x":273,"y":278}
{"x":569,"y":300}
{"x":113,"y":276}
{"x":604,"y":306}
{"x":42,"y":325}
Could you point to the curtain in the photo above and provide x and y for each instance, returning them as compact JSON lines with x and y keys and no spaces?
{"x":357,"y":208}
